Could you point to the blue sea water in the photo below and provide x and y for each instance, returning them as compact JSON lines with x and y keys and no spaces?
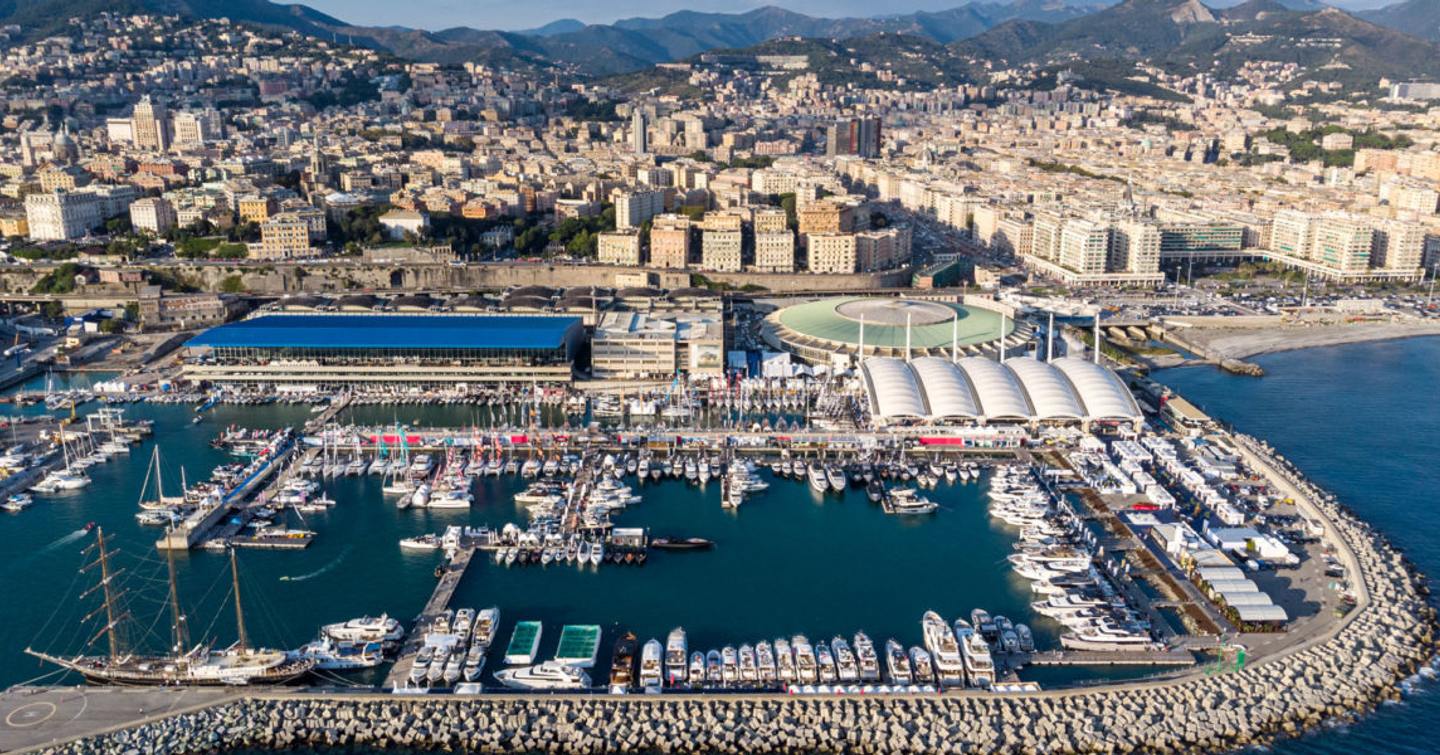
{"x":1362,"y":420}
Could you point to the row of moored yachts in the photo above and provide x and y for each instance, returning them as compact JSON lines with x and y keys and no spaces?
{"x":1056,"y":553}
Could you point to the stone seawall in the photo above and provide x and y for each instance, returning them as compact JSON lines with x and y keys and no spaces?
{"x":1347,"y":671}
{"x":344,"y":275}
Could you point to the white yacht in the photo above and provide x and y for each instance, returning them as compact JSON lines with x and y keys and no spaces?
{"x":650,"y":666}
{"x":549,"y":675}
{"x":676,"y":651}
{"x":382,"y":629}
{"x":944,"y":649}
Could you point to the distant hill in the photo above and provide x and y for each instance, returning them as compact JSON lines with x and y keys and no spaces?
{"x":1418,"y":17}
{"x":599,"y":49}
{"x":1186,"y":35}
{"x":562,"y":26}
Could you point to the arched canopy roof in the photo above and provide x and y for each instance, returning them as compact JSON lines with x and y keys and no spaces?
{"x":893,"y":390}
{"x":1102,"y":391}
{"x":946,"y":391}
{"x":1050,"y":392}
{"x":1000,"y":394}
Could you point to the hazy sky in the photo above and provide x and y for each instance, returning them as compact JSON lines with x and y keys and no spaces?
{"x":509,"y":14}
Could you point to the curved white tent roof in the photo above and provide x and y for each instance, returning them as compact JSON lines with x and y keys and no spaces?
{"x":999,"y":392}
{"x":893,"y":390}
{"x":1104,"y":395}
{"x":947,"y":393}
{"x":1050,"y":392}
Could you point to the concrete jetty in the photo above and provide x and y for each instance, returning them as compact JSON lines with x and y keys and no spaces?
{"x":439,"y":601}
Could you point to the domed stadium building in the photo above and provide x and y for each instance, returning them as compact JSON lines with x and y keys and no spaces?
{"x":817,"y":331}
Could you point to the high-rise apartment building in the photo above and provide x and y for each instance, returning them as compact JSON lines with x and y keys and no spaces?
{"x":150,"y":125}
{"x":633,"y":208}
{"x":853,"y":136}
{"x":1084,"y":246}
{"x":1134,"y":247}
{"x":722,"y":242}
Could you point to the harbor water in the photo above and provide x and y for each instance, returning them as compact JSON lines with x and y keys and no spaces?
{"x":789,"y":561}
{"x":1362,"y":421}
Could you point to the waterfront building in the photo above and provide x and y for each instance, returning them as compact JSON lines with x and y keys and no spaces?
{"x":977,"y":390}
{"x":334,"y":350}
{"x":60,"y":215}
{"x":832,"y":253}
{"x":722,"y":242}
{"x":638,"y":346}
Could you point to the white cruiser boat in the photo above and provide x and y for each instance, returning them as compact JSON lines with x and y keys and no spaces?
{"x":330,"y":655}
{"x":382,"y":629}
{"x":487,"y":623}
{"x":549,"y":675}
{"x":651,"y":664}
{"x":675,"y":657}
{"x":979,"y":666}
{"x":944,"y":649}
{"x":807,"y":670}
{"x":765,"y":662}
{"x":865,"y":655}
{"x":816,"y":475}
{"x":897,"y":663}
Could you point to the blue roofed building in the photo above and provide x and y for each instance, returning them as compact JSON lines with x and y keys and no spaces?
{"x":421,"y":349}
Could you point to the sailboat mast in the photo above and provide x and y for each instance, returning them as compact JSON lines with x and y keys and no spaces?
{"x":239,"y":611}
{"x":109,"y":597}
{"x":180,"y":633}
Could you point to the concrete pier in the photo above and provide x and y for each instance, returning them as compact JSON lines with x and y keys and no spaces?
{"x":439,"y":601}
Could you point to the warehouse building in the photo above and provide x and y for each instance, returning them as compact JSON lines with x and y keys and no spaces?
{"x":335,"y":350}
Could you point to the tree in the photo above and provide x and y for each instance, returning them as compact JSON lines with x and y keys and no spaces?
{"x":232,"y":284}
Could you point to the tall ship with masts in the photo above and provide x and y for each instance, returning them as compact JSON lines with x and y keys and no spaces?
{"x":185,"y":665}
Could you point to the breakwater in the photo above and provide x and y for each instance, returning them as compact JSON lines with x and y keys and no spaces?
{"x":1344,"y":672}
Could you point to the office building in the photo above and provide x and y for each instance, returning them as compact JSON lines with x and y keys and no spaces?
{"x":636,"y":346}
{"x":853,"y":136}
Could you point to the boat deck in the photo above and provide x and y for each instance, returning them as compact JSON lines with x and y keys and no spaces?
{"x":579,"y":644}
{"x":523,"y":643}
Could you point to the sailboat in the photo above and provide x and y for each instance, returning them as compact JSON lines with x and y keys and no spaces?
{"x":200,"y":665}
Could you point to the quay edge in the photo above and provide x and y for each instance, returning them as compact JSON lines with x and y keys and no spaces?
{"x":1345,"y":672}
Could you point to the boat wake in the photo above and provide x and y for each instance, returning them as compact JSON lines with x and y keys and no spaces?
{"x":322,"y":570}
{"x":66,"y":540}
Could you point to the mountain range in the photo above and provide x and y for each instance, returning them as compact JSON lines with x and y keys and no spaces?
{"x":1418,"y":17}
{"x":1187,"y":36}
{"x":1183,"y":34}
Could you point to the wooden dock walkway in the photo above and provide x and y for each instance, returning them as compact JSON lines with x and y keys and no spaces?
{"x":439,"y":601}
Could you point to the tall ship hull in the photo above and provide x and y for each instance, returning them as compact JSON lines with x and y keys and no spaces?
{"x":217,"y":670}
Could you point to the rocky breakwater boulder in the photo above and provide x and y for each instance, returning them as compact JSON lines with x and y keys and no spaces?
{"x":1388,"y":636}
